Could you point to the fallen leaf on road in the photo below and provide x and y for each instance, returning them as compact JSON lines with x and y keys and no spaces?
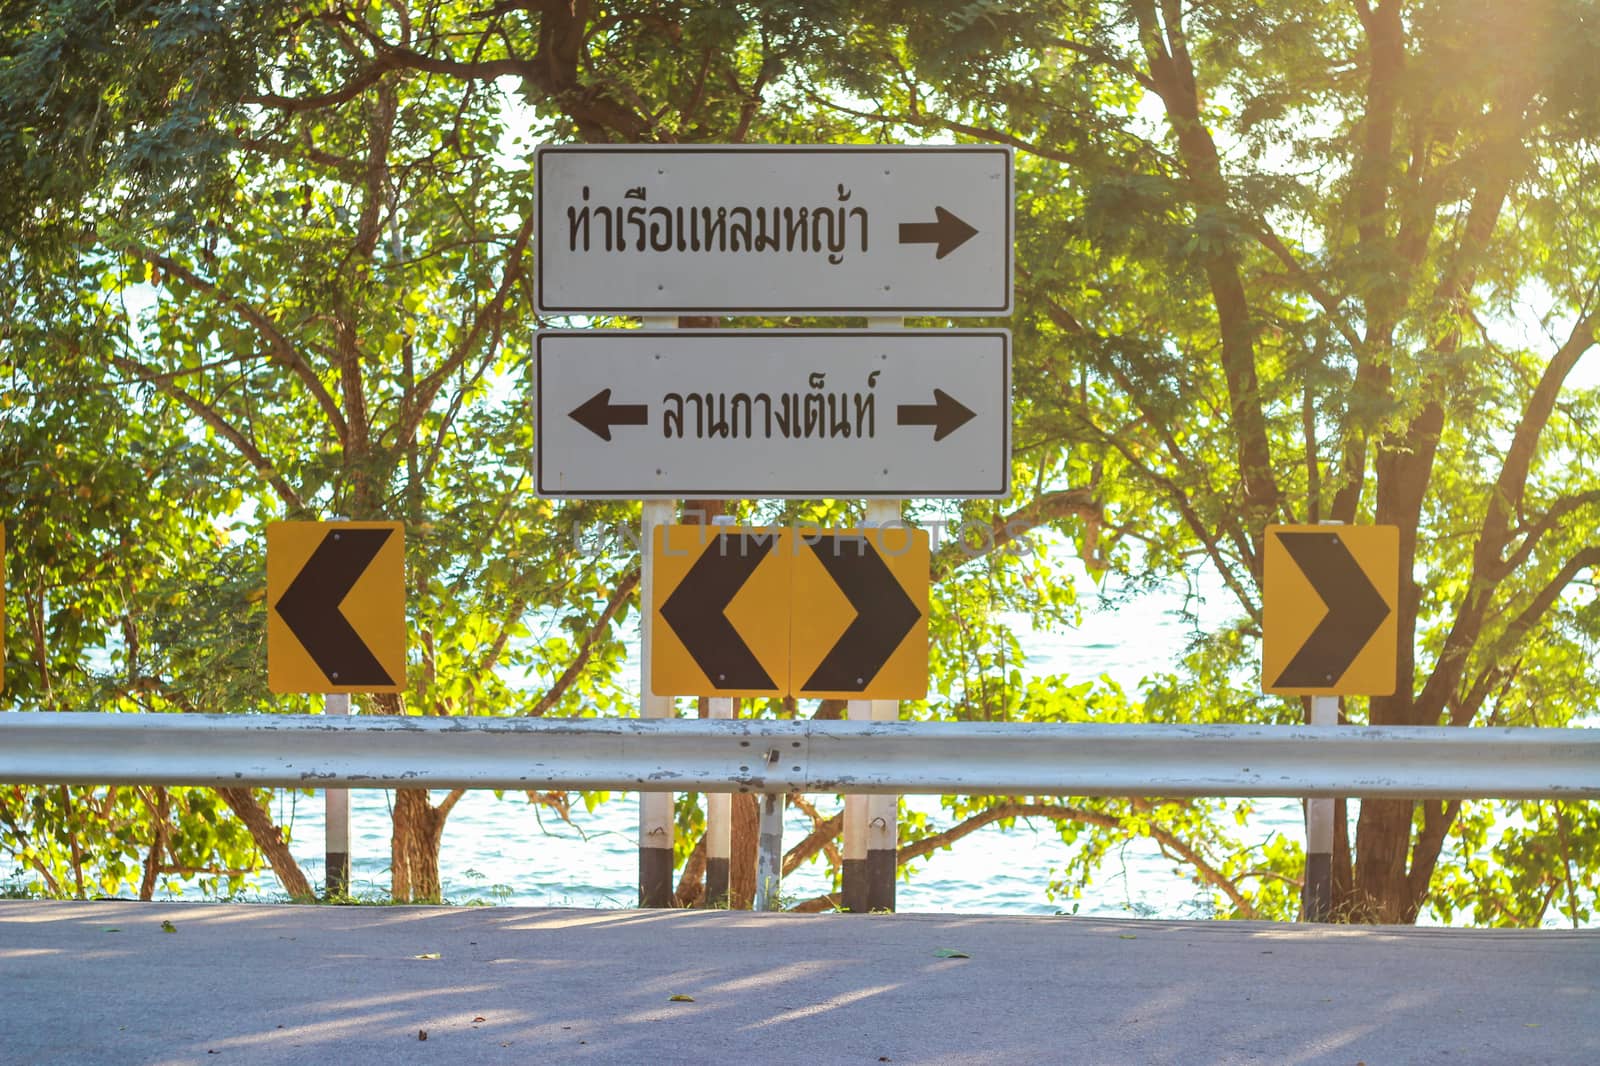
{"x":480,"y":1018}
{"x":168,"y":927}
{"x":1126,"y":936}
{"x":422,"y":1034}
{"x":429,"y":955}
{"x":681,"y":998}
{"x":950,"y":953}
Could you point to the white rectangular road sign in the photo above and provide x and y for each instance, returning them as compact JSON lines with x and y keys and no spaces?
{"x":774,"y":229}
{"x":753,"y":413}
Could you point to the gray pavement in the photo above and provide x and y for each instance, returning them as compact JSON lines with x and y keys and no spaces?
{"x":87,"y":983}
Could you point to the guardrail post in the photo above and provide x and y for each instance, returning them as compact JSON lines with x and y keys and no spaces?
{"x":719,"y":805}
{"x":871,"y":827}
{"x":655,"y":808}
{"x":769,"y":853}
{"x":719,"y":827}
{"x":1317,"y":898}
{"x":336,"y":851}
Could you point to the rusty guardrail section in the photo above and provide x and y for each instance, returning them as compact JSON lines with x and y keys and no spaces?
{"x":694,"y":755}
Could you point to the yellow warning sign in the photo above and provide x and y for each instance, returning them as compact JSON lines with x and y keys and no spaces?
{"x":720,"y":597}
{"x":1329,"y":600}
{"x":859,"y":625}
{"x":739,"y":611}
{"x":336,"y":607}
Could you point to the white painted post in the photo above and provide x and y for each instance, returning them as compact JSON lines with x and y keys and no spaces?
{"x":1317,"y":895}
{"x":871,"y":831}
{"x":883,"y":833}
{"x":656,"y":823}
{"x":719,"y":807}
{"x":1318,"y":901}
{"x":336,"y":850}
{"x":769,"y":852}
{"x":655,"y":808}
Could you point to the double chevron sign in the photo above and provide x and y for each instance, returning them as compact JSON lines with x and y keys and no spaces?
{"x":790,"y":612}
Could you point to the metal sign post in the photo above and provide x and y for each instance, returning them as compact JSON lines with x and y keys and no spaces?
{"x":336,"y":849}
{"x":656,"y":823}
{"x":871,"y":823}
{"x":663,"y":414}
{"x":1330,"y":598}
{"x":1317,"y":905}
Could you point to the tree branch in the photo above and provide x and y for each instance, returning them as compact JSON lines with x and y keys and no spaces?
{"x":428,"y":388}
{"x":206,"y":413}
{"x":619,"y":596}
{"x":278,"y":344}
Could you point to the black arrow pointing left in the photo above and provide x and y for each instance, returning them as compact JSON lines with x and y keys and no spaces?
{"x":310,"y":607}
{"x":884,"y":613}
{"x":598,"y":414}
{"x":1355,"y":610}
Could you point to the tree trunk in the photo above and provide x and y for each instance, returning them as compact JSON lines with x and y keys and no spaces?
{"x":414,"y":847}
{"x":742,"y":852}
{"x":269,"y":838}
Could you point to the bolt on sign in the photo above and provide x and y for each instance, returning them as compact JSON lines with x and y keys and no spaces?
{"x":1329,"y":600}
{"x":811,"y":613}
{"x":336,"y":607}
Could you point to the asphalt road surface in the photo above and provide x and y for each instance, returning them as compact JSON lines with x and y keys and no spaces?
{"x":141,"y":983}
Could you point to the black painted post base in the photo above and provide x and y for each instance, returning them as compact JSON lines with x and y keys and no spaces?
{"x":655,"y":877}
{"x":337,"y":865}
{"x":1316,"y":901}
{"x":853,"y":887}
{"x":868,"y":883}
{"x":880,"y":880}
{"x":716,"y":883}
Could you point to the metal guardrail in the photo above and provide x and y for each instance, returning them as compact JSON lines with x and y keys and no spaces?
{"x":757,"y":755}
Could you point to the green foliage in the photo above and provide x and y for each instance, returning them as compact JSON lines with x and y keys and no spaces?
{"x":1275,"y":262}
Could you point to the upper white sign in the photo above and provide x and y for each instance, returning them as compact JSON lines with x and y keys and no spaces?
{"x":769,"y":229}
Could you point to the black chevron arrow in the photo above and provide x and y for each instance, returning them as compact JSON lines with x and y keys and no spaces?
{"x":947,"y":231}
{"x":310,"y":607}
{"x":945,"y":414}
{"x":598,"y":414}
{"x":884,"y":614}
{"x":1355,"y":610}
{"x":695,"y":611}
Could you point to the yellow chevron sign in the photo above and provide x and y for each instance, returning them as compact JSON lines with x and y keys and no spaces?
{"x":784,"y":612}
{"x":1329,"y":598}
{"x":336,"y":607}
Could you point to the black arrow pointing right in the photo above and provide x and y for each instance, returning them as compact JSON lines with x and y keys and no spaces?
{"x":945,"y":414}
{"x":1355,"y":610}
{"x":947,"y":231}
{"x":696,"y":610}
{"x":598,"y":414}
{"x":884,"y":614}
{"x":310,"y":607}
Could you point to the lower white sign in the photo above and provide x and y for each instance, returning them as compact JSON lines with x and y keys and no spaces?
{"x":756,"y":413}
